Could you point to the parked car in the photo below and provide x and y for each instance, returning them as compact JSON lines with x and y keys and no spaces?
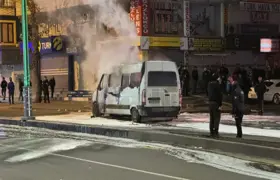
{"x":273,"y":93}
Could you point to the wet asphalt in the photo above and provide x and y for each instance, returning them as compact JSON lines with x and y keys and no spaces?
{"x":98,"y":162}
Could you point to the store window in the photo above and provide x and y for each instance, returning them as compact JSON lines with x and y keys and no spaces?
{"x":7,"y":32}
{"x":167,"y":17}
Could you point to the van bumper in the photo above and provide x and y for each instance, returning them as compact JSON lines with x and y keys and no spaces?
{"x":157,"y":112}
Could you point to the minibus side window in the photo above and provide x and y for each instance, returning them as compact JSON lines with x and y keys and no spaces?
{"x":115,"y":80}
{"x":135,"y":79}
{"x":125,"y":81}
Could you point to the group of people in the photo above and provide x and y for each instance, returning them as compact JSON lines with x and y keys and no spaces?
{"x":45,"y":85}
{"x":10,"y":86}
{"x":218,"y":82}
{"x":44,"y":88}
{"x":238,"y":96}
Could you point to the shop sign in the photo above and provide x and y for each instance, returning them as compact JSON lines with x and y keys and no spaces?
{"x":269,"y":45}
{"x":206,"y":44}
{"x":138,"y":17}
{"x":242,"y":42}
{"x":145,"y":17}
{"x":259,"y":17}
{"x":259,"y":29}
{"x":263,"y":7}
{"x":132,"y":10}
{"x":164,"y":41}
{"x":187,"y":18}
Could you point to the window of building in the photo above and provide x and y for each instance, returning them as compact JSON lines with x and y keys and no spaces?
{"x":7,"y":32}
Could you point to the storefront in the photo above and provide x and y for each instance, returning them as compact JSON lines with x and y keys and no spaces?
{"x":163,"y":48}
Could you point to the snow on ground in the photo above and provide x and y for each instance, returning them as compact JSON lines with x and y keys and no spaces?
{"x":204,"y":117}
{"x":189,"y":123}
{"x":85,"y":119}
{"x":204,"y":127}
{"x":196,"y":155}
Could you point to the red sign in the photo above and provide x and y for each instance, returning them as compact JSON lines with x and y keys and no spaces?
{"x":132,"y":10}
{"x":138,"y":17}
{"x":145,"y":17}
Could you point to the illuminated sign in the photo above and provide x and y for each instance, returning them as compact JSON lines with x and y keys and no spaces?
{"x":145,"y":17}
{"x":269,"y":45}
{"x":206,"y":44}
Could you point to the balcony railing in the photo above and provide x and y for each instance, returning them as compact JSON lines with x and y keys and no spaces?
{"x":7,"y":4}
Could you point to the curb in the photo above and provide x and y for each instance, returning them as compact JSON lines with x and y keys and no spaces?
{"x":250,"y":148}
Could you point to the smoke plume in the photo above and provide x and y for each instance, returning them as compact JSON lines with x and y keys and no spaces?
{"x":103,"y":51}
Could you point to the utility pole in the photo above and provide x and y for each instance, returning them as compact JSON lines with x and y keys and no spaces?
{"x":26,"y":68}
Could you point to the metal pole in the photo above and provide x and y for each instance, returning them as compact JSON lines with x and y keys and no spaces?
{"x":26,"y":68}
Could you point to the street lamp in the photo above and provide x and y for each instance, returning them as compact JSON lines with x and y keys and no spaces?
{"x":26,"y":91}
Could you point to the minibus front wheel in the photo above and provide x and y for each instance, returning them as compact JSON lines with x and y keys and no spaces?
{"x":95,"y":110}
{"x":135,"y":116}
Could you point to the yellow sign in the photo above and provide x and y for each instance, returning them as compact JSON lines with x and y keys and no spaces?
{"x":206,"y":44}
{"x":57,"y":43}
{"x":164,"y":41}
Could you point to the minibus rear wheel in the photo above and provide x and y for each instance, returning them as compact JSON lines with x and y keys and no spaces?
{"x":135,"y":117}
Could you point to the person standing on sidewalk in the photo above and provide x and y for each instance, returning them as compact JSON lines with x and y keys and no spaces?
{"x":215,"y":96}
{"x":206,"y":76}
{"x":4,"y":85}
{"x":238,"y":107}
{"x":194,"y":79}
{"x":260,"y":89}
{"x":20,"y":90}
{"x":46,"y":90}
{"x":11,"y":88}
{"x":52,"y":86}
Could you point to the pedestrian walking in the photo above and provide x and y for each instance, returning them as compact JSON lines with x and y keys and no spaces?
{"x":238,"y":106}
{"x":4,"y":85}
{"x":52,"y":86}
{"x":46,"y":90}
{"x":20,"y":90}
{"x":260,"y":89}
{"x":11,"y":88}
{"x":206,"y":76}
{"x":194,"y":79}
{"x":215,"y":96}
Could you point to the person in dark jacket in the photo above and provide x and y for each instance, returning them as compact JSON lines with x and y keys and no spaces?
{"x":260,"y":89}
{"x":41,"y":90}
{"x":206,"y":76}
{"x":11,"y":88}
{"x":4,"y":85}
{"x":46,"y":90}
{"x":20,"y":90}
{"x":194,"y":79}
{"x":238,"y":107}
{"x":215,"y":96}
{"x":52,"y":86}
{"x":185,"y":81}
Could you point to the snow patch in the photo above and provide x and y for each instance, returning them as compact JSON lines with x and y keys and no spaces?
{"x":56,"y":145}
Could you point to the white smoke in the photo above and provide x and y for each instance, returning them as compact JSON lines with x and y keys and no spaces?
{"x":103,"y":51}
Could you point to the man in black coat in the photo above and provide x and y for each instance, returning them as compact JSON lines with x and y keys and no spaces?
{"x":52,"y":86}
{"x":4,"y":85}
{"x":194,"y":79}
{"x":238,"y":107}
{"x":260,"y":89}
{"x":46,"y":90}
{"x":215,"y":96}
{"x":206,"y":76}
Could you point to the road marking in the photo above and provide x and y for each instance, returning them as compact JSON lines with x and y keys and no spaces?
{"x":109,"y":165}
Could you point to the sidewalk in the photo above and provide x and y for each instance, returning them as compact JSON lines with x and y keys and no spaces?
{"x":43,"y":109}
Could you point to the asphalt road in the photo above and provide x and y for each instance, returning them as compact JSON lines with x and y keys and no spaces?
{"x":96,"y":161}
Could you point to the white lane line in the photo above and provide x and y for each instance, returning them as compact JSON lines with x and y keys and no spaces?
{"x":109,"y":165}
